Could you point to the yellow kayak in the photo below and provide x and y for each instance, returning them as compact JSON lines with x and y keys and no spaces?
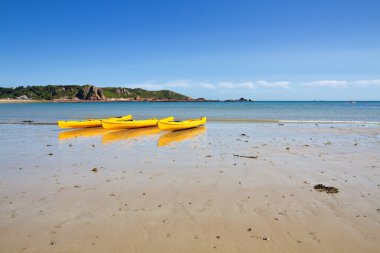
{"x":171,"y":125}
{"x":88,"y":122}
{"x":178,"y":136}
{"x":128,"y":124}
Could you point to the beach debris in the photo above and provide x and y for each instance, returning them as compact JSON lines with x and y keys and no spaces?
{"x":327,"y":189}
{"x":265,"y":238}
{"x":50,"y":154}
{"x":281,"y":124}
{"x":328,"y":143}
{"x":246,"y":156}
{"x":249,"y":229}
{"x":208,"y":155}
{"x":76,"y":186}
{"x":94,"y":170}
{"x":27,"y":121}
{"x":51,"y":243}
{"x":287,"y":148}
{"x":218,"y":237}
{"x":48,"y":145}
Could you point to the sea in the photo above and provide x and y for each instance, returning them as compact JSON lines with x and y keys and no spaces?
{"x":259,"y":111}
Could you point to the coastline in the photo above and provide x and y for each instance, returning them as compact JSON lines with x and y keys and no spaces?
{"x":250,"y":190}
{"x":22,"y":101}
{"x":200,"y":100}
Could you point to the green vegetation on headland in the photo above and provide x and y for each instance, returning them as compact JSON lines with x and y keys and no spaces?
{"x":89,"y":93}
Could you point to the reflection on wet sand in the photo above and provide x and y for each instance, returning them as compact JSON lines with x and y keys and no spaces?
{"x":84,"y":132}
{"x":179,"y":136}
{"x":127,"y":134}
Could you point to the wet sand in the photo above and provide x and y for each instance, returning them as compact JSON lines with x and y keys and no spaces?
{"x":228,"y":188}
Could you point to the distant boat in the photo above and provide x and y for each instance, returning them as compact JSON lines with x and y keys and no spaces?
{"x":352,"y":102}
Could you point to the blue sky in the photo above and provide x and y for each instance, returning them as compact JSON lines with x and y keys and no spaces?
{"x":265,"y":50}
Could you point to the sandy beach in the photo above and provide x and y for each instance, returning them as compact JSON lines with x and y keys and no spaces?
{"x":230,"y":187}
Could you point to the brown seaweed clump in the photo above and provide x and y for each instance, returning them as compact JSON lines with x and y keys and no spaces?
{"x":327,"y":189}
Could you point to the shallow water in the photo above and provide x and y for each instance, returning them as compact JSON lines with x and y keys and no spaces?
{"x":360,"y":112}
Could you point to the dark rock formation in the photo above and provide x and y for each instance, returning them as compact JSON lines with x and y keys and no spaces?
{"x":239,"y":100}
{"x":89,"y":92}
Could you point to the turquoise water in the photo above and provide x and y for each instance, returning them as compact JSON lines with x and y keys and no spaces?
{"x":215,"y":111}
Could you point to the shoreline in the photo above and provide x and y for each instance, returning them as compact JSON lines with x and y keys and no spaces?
{"x":235,"y":121}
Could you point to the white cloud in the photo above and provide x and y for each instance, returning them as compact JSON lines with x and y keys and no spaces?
{"x":253,"y":85}
{"x":375,"y":82}
{"x":341,"y":83}
{"x":226,"y":85}
{"x":326,"y":83}
{"x":267,"y":84}
{"x":207,"y":85}
{"x":246,"y":85}
{"x":250,"y":85}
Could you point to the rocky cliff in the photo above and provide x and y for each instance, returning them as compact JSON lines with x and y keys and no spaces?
{"x":89,"y":92}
